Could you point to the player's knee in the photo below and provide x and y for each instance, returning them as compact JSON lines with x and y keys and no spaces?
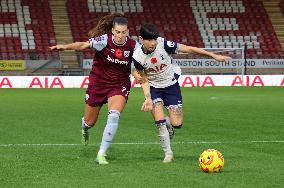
{"x":113,"y":116}
{"x":177,"y":126}
{"x":177,"y":123}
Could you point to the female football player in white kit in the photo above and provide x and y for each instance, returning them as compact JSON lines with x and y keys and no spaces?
{"x":159,"y":77}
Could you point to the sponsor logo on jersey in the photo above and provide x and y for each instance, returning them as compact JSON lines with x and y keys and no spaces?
{"x":126,"y":53}
{"x":170,"y":44}
{"x":116,"y":61}
{"x":158,"y":68}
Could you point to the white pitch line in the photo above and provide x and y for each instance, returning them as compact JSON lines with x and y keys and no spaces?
{"x":153,"y":143}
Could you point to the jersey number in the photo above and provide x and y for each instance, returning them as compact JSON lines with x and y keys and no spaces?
{"x":125,"y":91}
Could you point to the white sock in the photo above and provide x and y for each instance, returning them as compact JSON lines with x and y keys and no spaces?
{"x":164,"y":137}
{"x":85,"y":126}
{"x":109,"y":131}
{"x":168,"y":121}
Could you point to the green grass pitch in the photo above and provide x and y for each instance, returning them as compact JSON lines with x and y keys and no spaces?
{"x":40,"y":140}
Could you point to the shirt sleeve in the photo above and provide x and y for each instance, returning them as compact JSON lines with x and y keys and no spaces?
{"x":170,"y":46}
{"x":98,"y":43}
{"x":137,"y":65}
{"x":137,"y":44}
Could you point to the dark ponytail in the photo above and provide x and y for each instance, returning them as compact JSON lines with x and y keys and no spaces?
{"x":106,"y":24}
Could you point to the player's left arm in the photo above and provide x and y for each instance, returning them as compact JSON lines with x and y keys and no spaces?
{"x":71,"y":46}
{"x":190,"y":49}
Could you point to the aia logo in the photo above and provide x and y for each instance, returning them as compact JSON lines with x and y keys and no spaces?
{"x":158,"y":68}
{"x":154,"y":60}
{"x":118,"y":53}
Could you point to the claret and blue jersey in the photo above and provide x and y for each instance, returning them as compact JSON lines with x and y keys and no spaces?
{"x":112,"y":62}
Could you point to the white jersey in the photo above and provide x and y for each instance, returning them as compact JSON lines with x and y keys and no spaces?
{"x":158,"y":64}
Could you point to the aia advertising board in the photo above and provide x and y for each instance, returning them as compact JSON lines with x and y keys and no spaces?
{"x":184,"y":81}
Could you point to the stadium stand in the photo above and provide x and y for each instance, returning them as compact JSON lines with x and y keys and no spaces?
{"x":236,"y":23}
{"x":26,"y":30}
{"x":281,"y":4}
{"x":171,"y":25}
{"x":201,"y":23}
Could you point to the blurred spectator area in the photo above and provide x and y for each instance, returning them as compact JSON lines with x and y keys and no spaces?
{"x":281,"y":4}
{"x":201,"y":23}
{"x":26,"y":30}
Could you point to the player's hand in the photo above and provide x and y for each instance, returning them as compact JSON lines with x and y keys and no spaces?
{"x":221,"y":57}
{"x":58,"y":47}
{"x":147,"y":105}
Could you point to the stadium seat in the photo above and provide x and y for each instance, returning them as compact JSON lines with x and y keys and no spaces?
{"x":281,"y":4}
{"x":246,"y":22}
{"x":194,"y":22}
{"x":26,"y":26}
{"x":173,"y":18}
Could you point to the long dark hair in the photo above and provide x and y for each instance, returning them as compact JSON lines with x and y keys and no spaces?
{"x":106,"y":24}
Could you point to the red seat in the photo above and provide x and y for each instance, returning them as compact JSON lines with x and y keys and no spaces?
{"x":176,"y":21}
{"x":41,"y":28}
{"x":281,"y":4}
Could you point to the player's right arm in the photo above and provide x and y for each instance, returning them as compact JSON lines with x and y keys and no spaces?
{"x":72,"y":46}
{"x":140,"y":75}
{"x":148,"y":103}
{"x":97,"y":43}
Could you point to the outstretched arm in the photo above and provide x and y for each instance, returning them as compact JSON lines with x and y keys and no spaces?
{"x":189,"y":49}
{"x":72,"y":46}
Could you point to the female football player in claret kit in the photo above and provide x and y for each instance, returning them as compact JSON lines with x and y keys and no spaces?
{"x":158,"y":78}
{"x":109,"y":77}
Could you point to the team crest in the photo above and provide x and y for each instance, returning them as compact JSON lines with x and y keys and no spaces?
{"x":126,"y":53}
{"x":170,"y":44}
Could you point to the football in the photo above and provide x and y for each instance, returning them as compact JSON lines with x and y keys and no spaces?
{"x":211,"y":160}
